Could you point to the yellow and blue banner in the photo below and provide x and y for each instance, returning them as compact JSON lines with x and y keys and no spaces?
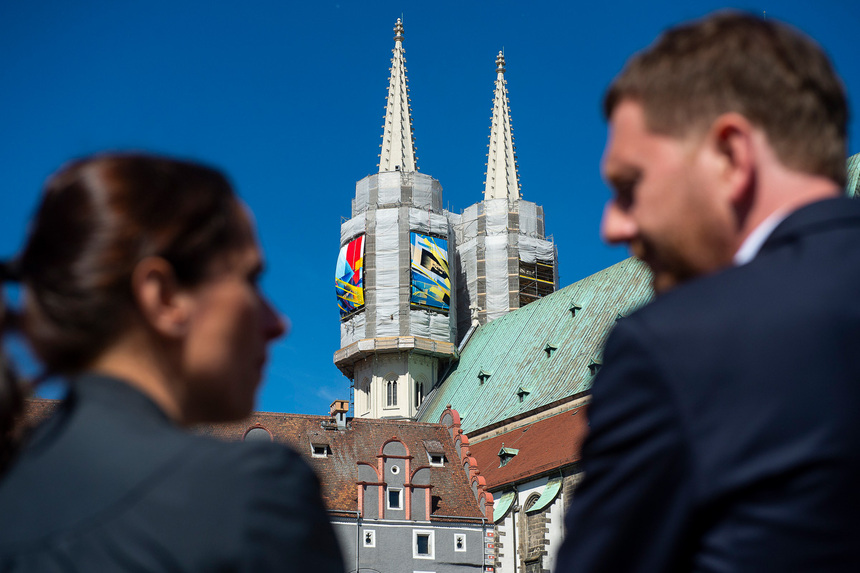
{"x":431,"y":285}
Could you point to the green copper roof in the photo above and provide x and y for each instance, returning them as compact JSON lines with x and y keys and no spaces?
{"x":854,"y":176}
{"x":501,"y":507}
{"x":573,"y":322}
{"x":547,"y":496}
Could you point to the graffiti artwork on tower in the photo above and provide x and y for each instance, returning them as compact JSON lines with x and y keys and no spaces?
{"x":431,"y":286}
{"x":349,"y":277}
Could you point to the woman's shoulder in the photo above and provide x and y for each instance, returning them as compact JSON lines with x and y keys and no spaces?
{"x":247,"y":463}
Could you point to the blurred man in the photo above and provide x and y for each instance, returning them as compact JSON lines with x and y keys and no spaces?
{"x":725,"y":424}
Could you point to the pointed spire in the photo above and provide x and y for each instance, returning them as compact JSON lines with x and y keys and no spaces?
{"x":502,"y":177}
{"x":398,"y":149}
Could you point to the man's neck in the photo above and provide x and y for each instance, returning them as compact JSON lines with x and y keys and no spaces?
{"x":780,"y":192}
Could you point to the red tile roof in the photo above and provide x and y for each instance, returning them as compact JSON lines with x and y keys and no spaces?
{"x":361,"y":441}
{"x":545,"y":445}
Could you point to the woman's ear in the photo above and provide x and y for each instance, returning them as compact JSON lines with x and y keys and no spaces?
{"x":164,"y":306}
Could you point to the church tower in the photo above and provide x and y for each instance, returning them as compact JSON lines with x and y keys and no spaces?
{"x":504,"y":258}
{"x":394,"y":286}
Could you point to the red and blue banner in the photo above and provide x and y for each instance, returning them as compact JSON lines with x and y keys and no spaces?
{"x":349,"y":277}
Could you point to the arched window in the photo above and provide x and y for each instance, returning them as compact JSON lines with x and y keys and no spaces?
{"x":391,"y":389}
{"x":419,"y":393}
{"x":533,"y":533}
{"x":257,"y":433}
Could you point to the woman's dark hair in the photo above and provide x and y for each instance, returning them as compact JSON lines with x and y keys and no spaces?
{"x":98,"y":218}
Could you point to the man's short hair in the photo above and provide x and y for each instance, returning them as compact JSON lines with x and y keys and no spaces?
{"x":775,"y":76}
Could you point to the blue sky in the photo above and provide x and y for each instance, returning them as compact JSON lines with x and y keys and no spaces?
{"x":288,"y":99}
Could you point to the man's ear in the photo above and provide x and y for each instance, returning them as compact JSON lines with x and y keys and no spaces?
{"x":162,"y":304}
{"x":731,"y":137}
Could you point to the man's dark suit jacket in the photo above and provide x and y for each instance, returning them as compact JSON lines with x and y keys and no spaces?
{"x":725,"y":424}
{"x":110,"y":484}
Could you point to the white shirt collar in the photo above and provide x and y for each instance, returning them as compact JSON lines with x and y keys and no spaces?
{"x":754,"y":241}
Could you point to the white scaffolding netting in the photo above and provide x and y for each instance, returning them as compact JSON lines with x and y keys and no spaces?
{"x":532,"y":250}
{"x":468,"y":253}
{"x":528,"y":219}
{"x":422,"y":192}
{"x":490,"y":244}
{"x":352,"y":329}
{"x":362,"y":195}
{"x":389,"y":188}
{"x":496,"y":269}
{"x":432,"y":325}
{"x":428,"y":223}
{"x":467,"y":226}
{"x":352,"y":228}
{"x":496,"y":216}
{"x":387,"y":287}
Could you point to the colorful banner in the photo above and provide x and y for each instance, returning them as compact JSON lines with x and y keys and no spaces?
{"x":431,"y":286}
{"x":349,"y":277}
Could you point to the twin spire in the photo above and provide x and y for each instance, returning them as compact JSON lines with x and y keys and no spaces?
{"x":398,"y":146}
{"x":502,"y":177}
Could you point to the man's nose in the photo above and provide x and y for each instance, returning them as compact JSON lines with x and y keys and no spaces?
{"x":617,"y":225}
{"x":274,"y":324}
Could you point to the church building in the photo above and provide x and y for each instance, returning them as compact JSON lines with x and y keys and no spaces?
{"x":413,"y":279}
{"x":393,"y":279}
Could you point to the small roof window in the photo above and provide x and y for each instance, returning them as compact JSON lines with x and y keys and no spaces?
{"x":435,"y":453}
{"x":506,"y":455}
{"x":522,"y":393}
{"x":320,"y":450}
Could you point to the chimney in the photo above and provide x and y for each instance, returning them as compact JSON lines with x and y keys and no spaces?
{"x":338,"y":411}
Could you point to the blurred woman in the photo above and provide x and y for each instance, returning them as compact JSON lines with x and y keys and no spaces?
{"x":140,"y":285}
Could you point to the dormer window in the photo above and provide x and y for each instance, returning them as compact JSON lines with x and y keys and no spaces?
{"x":506,"y":455}
{"x":435,"y":453}
{"x":483,"y":375}
{"x":549,"y":349}
{"x":320,"y":450}
{"x":522,"y":393}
